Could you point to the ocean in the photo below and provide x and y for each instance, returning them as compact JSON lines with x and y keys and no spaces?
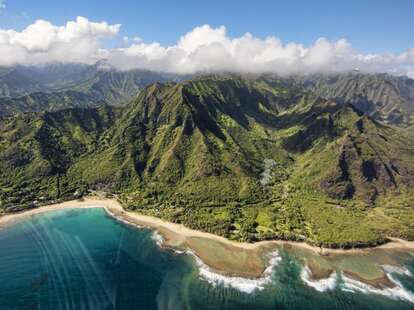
{"x":85,"y":259}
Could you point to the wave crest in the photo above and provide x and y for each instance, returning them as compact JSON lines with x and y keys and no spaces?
{"x":320,"y":285}
{"x":397,"y":292}
{"x":159,"y":240}
{"x":242,"y":284}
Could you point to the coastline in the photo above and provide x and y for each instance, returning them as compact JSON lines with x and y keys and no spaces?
{"x":244,"y":259}
{"x":116,"y":210}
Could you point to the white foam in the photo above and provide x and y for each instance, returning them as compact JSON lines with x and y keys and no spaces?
{"x":397,"y":292}
{"x":321,"y":285}
{"x":243,"y":284}
{"x":395,"y":269}
{"x":178,"y":252}
{"x":159,"y":240}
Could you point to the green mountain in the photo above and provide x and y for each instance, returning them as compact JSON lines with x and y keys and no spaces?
{"x":43,"y":101}
{"x":247,"y":158}
{"x":13,"y":82}
{"x":116,"y":87}
{"x":389,"y":99}
{"x":17,"y":81}
{"x":61,"y":86}
{"x":382,"y":96}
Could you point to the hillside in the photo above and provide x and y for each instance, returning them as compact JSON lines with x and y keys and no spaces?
{"x":15,"y":83}
{"x":61,"y":86}
{"x":247,"y":158}
{"x":385,"y":97}
{"x":43,"y":101}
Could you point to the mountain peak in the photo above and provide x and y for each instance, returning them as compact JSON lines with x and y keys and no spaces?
{"x":104,"y":65}
{"x":237,"y":145}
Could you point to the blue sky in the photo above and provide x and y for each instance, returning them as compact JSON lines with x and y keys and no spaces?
{"x":371,"y":26}
{"x":262,"y":36}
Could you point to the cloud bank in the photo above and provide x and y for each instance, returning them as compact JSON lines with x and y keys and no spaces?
{"x":42,"y":42}
{"x":204,"y":49}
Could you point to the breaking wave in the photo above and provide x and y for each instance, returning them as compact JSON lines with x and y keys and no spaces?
{"x":246,"y":285}
{"x":397,"y":292}
{"x":395,"y":269}
{"x":159,"y":240}
{"x":321,"y":285}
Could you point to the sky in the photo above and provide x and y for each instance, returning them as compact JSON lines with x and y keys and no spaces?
{"x":186,"y":36}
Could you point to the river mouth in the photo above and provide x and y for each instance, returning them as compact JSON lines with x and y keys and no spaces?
{"x":60,"y":254}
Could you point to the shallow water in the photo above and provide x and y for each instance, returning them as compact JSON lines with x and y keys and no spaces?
{"x":83,"y":259}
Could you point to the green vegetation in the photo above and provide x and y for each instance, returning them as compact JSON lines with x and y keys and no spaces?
{"x":384,"y":97}
{"x":56,"y":87}
{"x":249,"y":158}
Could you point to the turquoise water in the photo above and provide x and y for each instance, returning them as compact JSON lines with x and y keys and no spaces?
{"x":83,"y":259}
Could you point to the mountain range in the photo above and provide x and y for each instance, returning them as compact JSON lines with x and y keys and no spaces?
{"x":59,"y":86}
{"x":326,"y":159}
{"x":382,"y":96}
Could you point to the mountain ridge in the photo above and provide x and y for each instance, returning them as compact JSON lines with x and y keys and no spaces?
{"x":60,"y":86}
{"x":246,"y":158}
{"x":385,"y":97}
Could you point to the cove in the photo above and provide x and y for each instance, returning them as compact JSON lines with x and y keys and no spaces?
{"x":85,"y":259}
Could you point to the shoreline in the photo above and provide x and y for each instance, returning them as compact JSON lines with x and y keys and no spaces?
{"x":246,"y":259}
{"x":246,"y":267}
{"x":116,"y":210}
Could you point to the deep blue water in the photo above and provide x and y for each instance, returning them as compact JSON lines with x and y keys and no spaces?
{"x":83,"y":259}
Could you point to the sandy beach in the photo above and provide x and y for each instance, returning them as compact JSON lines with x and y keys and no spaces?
{"x":221,"y":254}
{"x":116,"y":209}
{"x":90,"y":202}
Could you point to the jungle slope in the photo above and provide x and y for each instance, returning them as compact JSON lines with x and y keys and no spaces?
{"x":248,"y":159}
{"x":57,"y":87}
{"x":382,"y":96}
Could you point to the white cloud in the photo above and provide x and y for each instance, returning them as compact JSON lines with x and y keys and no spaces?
{"x":202,"y":49}
{"x":210,"y":49}
{"x":40,"y":42}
